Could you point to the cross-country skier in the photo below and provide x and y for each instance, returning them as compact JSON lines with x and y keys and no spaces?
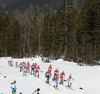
{"x":70,"y":80}
{"x":36,"y":91}
{"x":16,"y":64}
{"x":37,"y":71}
{"x":9,"y":62}
{"x":56,"y":78}
{"x":32,"y":69}
{"x":13,"y":87}
{"x":35,"y":65}
{"x":12,"y":63}
{"x":50,"y":69}
{"x":62,"y":75}
{"x":28,"y":67}
{"x":20,"y":66}
{"x":47,"y":75}
{"x":56,"y":71}
{"x":24,"y":70}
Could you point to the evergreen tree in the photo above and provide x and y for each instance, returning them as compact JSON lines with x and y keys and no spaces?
{"x":6,"y":21}
{"x":47,"y":36}
{"x":16,"y":30}
{"x":90,"y":29}
{"x":1,"y":36}
{"x":63,"y":26}
{"x":56,"y":36}
{"x":71,"y":28}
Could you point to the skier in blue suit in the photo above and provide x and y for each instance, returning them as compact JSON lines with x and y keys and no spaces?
{"x":13,"y":87}
{"x":36,"y":91}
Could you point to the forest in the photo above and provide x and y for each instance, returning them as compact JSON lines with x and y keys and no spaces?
{"x":66,"y":33}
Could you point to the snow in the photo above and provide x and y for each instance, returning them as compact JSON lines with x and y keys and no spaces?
{"x":85,"y":77}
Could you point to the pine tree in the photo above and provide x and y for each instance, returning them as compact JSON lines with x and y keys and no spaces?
{"x":10,"y":40}
{"x":71,"y":28}
{"x":16,"y":30}
{"x":47,"y":36}
{"x":6,"y":21}
{"x":61,"y":27}
{"x":90,"y":29}
{"x":1,"y":36}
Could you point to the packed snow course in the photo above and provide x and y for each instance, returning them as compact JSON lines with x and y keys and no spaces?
{"x":86,"y":78}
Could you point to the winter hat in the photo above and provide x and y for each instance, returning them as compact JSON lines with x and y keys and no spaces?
{"x":38,"y":89}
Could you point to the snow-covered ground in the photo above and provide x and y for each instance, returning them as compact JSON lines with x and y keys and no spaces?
{"x":86,"y":77}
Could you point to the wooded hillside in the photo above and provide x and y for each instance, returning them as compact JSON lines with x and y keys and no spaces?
{"x":64,"y":33}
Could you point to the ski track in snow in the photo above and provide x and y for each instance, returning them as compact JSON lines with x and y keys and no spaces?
{"x":86,"y":77}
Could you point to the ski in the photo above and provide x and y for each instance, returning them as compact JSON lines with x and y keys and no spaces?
{"x":70,"y":88}
{"x":37,"y":76}
{"x":57,"y":89}
{"x":24,"y":75}
{"x":48,"y":84}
